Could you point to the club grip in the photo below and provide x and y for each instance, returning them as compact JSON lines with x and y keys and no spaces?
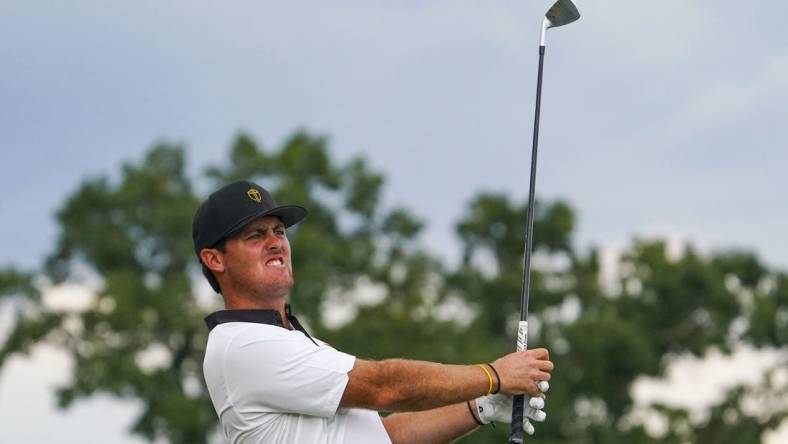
{"x":518,"y":403}
{"x":517,"y":420}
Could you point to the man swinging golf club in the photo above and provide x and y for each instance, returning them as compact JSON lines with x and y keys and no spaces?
{"x":271,"y":382}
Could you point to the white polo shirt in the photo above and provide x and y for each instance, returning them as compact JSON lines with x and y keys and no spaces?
{"x":273,"y":385}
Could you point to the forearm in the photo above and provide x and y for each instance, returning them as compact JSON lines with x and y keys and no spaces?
{"x":426,"y":385}
{"x":398,"y":385}
{"x":441,"y":425}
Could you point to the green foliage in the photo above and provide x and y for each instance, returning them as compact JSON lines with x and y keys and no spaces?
{"x":17,"y":284}
{"x":132,"y":236}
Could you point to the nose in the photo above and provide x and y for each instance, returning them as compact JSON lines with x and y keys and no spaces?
{"x":274,"y":244}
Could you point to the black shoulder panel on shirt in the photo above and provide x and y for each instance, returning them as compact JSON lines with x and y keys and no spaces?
{"x":258,"y":316}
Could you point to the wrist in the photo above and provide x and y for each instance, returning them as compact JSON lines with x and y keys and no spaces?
{"x":493,"y":378}
{"x":497,"y":379}
{"x":473,"y":411}
{"x":490,"y":383}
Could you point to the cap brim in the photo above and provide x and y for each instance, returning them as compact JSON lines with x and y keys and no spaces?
{"x":290,"y":215}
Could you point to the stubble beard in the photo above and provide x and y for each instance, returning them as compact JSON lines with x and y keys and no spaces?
{"x":277,"y":288}
{"x":263,"y":290}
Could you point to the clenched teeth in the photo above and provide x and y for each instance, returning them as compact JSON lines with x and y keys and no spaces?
{"x":276,"y":262}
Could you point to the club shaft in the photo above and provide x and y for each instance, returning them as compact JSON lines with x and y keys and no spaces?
{"x":529,"y":243}
{"x":516,"y":436}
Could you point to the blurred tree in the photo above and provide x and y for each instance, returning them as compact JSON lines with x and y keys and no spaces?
{"x":17,"y":284}
{"x":142,"y":337}
{"x":19,"y":293}
{"x":365,"y":284}
{"x":603,"y":338}
{"x":133,"y":237}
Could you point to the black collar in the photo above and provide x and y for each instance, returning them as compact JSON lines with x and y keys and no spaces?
{"x":259,"y":316}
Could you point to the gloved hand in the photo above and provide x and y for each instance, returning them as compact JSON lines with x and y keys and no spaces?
{"x":498,"y":408}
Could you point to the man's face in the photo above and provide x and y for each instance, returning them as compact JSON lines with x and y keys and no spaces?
{"x":257,"y":259}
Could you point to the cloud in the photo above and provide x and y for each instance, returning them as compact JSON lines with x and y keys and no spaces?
{"x":724,"y":101}
{"x":653,"y":34}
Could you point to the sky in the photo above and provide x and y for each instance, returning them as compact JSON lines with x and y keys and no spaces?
{"x":658,"y":118}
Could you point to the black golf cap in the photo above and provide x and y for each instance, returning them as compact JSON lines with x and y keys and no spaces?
{"x":229,"y":209}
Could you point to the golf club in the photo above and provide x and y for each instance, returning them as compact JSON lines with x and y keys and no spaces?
{"x":561,"y":13}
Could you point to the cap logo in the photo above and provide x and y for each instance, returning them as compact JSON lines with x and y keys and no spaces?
{"x":254,"y":195}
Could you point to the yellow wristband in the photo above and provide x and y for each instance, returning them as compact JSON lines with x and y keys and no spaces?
{"x":489,"y":377}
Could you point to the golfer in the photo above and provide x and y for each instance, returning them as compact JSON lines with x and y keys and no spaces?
{"x":271,"y":382}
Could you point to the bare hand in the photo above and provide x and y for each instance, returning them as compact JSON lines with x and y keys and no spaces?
{"x":520,"y":372}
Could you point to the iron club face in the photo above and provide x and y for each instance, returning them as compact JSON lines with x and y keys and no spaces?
{"x":561,"y":13}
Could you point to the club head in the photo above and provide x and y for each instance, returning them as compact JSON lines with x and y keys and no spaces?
{"x":561,"y":13}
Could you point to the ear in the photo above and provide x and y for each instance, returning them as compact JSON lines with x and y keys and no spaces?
{"x":213,"y":259}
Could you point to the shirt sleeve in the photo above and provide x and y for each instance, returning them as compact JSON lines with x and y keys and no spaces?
{"x":287,"y":373}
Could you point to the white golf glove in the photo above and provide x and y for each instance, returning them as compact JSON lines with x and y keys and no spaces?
{"x":498,"y":408}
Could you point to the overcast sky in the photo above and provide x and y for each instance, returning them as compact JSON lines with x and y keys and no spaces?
{"x":662,"y":118}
